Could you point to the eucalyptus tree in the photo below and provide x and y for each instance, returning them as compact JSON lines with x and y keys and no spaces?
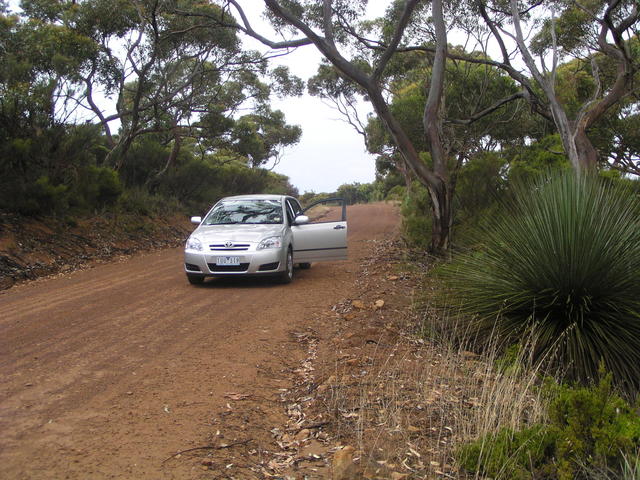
{"x":474,"y":118}
{"x":164,"y":69}
{"x":39,"y":61}
{"x":336,"y":30}
{"x":156,"y":67}
{"x":601,"y":36}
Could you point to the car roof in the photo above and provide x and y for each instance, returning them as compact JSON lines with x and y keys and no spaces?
{"x":255,"y":197}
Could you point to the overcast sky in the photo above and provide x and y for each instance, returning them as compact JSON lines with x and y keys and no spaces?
{"x":330,"y":151}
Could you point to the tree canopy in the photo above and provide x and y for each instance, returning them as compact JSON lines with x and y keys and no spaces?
{"x":589,"y":46}
{"x":133,"y":92}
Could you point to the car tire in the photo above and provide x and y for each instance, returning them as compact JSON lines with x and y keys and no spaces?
{"x":304,"y":266}
{"x":287,"y":275}
{"x":195,"y":279}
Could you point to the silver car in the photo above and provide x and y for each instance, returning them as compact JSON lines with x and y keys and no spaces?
{"x":264,"y":235}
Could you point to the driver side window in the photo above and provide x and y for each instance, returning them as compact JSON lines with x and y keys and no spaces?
{"x":326,"y":211}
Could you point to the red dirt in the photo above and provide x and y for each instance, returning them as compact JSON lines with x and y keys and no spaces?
{"x":108,"y":372}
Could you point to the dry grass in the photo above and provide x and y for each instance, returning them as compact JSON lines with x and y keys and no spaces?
{"x":398,"y":385}
{"x":408,"y":406}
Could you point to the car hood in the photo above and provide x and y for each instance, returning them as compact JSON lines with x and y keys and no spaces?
{"x":236,"y":233}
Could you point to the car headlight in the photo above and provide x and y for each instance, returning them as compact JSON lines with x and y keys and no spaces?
{"x":270,"y":242}
{"x":194,"y":243}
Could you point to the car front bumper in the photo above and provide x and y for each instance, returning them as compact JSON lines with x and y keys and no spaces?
{"x":258,"y":262}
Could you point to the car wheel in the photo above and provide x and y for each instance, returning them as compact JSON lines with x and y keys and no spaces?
{"x":304,"y":266}
{"x":287,"y":275}
{"x":195,"y":279}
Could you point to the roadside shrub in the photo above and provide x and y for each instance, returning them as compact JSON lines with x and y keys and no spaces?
{"x":44,"y":197}
{"x":140,"y":202}
{"x":562,"y":264}
{"x":479,"y":187}
{"x":98,"y":187}
{"x":592,"y":433}
{"x":416,"y":217}
{"x":595,"y":430}
{"x":510,"y":455}
{"x":396,"y":194}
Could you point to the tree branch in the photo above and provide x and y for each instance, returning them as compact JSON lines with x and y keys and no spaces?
{"x":409,"y":6}
{"x":246,"y":28}
{"x":489,"y":110}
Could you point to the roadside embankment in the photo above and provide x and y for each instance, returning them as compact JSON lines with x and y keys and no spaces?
{"x":32,"y":248}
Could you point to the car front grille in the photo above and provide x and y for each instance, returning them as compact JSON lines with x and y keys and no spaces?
{"x":236,"y":247}
{"x":243,"y":267}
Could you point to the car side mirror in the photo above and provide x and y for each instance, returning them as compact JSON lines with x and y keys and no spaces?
{"x":301,"y":220}
{"x":196,"y":220}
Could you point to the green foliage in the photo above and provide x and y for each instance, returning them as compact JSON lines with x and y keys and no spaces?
{"x":511,"y":359}
{"x":506,"y":125}
{"x":570,"y":28}
{"x":508,"y":454}
{"x":481,"y":183}
{"x":201,"y":182}
{"x":42,"y":196}
{"x":526,"y":163}
{"x":591,"y":432}
{"x":285,"y":83}
{"x":416,"y":218}
{"x":356,"y":192}
{"x":139,"y":201}
{"x":98,"y":187}
{"x":562,"y":265}
{"x":260,"y":136}
{"x":307,"y":198}
{"x":178,"y":85}
{"x":397,"y":193}
{"x":594,"y":428}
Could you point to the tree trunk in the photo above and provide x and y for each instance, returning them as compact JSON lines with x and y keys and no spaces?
{"x":436,"y":185}
{"x":586,"y":152}
{"x":153,"y":182}
{"x":440,"y":186}
{"x":579,"y":150}
{"x":441,"y":218}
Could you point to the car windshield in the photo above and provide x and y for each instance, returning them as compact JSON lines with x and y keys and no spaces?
{"x":229,"y":212}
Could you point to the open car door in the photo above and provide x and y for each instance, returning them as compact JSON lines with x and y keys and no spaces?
{"x":324,"y":237}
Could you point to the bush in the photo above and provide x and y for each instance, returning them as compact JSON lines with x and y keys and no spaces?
{"x":479,"y":187}
{"x":595,"y":430}
{"x":510,"y":455}
{"x":592,"y":433}
{"x":563,"y":264}
{"x":43,"y":197}
{"x":416,"y":217}
{"x":98,"y":187}
{"x":396,"y":194}
{"x":140,"y":202}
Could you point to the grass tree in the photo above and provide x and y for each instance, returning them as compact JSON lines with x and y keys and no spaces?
{"x":563,"y":265}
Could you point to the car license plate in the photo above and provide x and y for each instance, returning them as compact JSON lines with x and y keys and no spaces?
{"x":228,"y":261}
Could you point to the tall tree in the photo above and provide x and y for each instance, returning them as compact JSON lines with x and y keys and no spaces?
{"x":334,"y":28}
{"x":591,"y":32}
{"x":167,"y":67}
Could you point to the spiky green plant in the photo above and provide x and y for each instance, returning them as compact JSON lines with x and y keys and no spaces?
{"x":563,"y":265}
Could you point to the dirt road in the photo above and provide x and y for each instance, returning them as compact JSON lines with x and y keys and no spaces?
{"x":107,"y":372}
